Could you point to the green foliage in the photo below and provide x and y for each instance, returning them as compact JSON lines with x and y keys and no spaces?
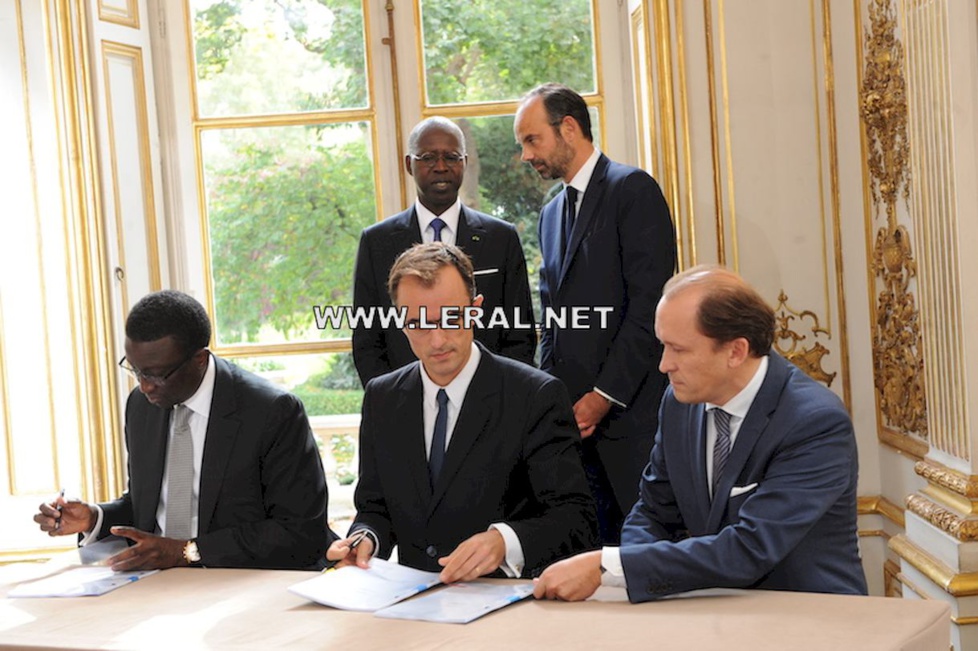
{"x":284,"y":225}
{"x":217,"y":31}
{"x":491,"y":50}
{"x":335,"y":390}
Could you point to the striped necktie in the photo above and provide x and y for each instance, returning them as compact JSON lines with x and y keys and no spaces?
{"x":721,"y":447}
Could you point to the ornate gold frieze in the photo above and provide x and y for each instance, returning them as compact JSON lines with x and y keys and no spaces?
{"x":958,"y":585}
{"x":897,"y":346}
{"x":966,"y":485}
{"x":949,"y":522}
{"x":788,"y":342}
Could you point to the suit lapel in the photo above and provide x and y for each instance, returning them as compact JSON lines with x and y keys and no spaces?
{"x":153,"y":439}
{"x":469,"y":427}
{"x":407,"y":441}
{"x":697,"y":452}
{"x":222,"y":429}
{"x":749,"y":434}
{"x":593,"y":196}
{"x":471,"y":234}
{"x":550,"y":233}
{"x":405,"y":234}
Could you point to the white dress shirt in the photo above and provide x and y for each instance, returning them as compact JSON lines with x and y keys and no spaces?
{"x":449,"y":234}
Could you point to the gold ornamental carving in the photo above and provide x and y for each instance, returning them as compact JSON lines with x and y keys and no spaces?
{"x":790,"y":343}
{"x":947,"y":521}
{"x":965,"y":485}
{"x":898,"y":363}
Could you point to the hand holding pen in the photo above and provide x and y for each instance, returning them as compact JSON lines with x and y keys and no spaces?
{"x":62,"y":516}
{"x":356,"y":549}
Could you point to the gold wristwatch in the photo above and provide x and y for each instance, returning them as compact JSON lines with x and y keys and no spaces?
{"x":190,"y":552}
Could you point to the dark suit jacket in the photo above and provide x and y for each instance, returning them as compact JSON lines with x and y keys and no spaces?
{"x":794,"y":530}
{"x":622,"y":251}
{"x":500,"y":268}
{"x":513,"y":458}
{"x":262,"y":489}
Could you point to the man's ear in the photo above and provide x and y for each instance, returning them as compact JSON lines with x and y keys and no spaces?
{"x":477,"y":301}
{"x":739,"y":352}
{"x":407,"y":165}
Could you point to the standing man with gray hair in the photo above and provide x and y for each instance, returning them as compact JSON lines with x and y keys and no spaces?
{"x":436,"y":159}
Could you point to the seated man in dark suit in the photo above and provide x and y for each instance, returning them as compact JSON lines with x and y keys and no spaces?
{"x":752,"y":477}
{"x":468,"y":460}
{"x":223,"y":468}
{"x":436,"y":160}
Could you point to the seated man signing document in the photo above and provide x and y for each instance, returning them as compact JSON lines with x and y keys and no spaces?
{"x":223,"y":468}
{"x":468,"y":460}
{"x":752,"y":478}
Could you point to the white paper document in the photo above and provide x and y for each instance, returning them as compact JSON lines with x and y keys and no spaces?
{"x":459,"y":603}
{"x":354,"y":588}
{"x":89,"y":581}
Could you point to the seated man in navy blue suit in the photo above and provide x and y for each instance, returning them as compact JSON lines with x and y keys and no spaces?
{"x":468,"y":460}
{"x":752,"y":477}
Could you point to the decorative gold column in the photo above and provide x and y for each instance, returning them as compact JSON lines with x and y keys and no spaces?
{"x":921,"y":363}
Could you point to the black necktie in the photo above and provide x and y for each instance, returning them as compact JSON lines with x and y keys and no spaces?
{"x":436,"y":225}
{"x":437,"y":456}
{"x":570,"y":202}
{"x":721,"y":448}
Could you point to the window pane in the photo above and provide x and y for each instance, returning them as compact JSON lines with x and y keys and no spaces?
{"x":496,"y":50}
{"x":285,"y":207}
{"x":275,"y":56}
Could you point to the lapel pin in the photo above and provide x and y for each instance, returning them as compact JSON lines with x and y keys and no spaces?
{"x":475,"y":238}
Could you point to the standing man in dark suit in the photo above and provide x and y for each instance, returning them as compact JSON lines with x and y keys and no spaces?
{"x":436,"y":159}
{"x":607,"y":240}
{"x":468,"y":460}
{"x":223,"y":469}
{"x":752,"y":480}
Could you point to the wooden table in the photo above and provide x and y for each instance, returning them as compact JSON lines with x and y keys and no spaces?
{"x":251,"y":609}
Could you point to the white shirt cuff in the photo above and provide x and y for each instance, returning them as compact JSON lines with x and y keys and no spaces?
{"x":607,"y":397}
{"x":514,"y":560}
{"x":614,"y":573}
{"x":92,"y":535}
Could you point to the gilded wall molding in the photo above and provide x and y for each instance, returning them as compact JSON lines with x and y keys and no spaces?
{"x":957,"y":585}
{"x":898,"y":363}
{"x":949,"y":522}
{"x":790,"y":343}
{"x":966,"y":485}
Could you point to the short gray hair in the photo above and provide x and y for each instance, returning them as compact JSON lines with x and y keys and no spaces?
{"x":435,"y":122}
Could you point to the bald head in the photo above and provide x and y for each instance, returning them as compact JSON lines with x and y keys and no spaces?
{"x":728,"y":307}
{"x":435,"y":124}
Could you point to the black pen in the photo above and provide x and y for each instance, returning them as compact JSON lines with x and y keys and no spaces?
{"x":359,"y":535}
{"x":60,"y":508}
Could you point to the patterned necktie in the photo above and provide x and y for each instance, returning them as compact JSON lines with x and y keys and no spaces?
{"x":570,"y":203}
{"x":721,"y":448}
{"x":180,"y":476}
{"x":437,"y":224}
{"x":437,"y":456}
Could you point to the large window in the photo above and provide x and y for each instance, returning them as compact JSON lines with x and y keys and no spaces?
{"x":299,"y":125}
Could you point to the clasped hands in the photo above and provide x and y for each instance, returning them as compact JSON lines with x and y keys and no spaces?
{"x":64,"y":517}
{"x":477,"y":556}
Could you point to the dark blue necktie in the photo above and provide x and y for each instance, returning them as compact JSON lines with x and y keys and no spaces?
{"x":436,"y":225}
{"x":437,"y":456}
{"x":721,"y":448}
{"x":570,"y":202}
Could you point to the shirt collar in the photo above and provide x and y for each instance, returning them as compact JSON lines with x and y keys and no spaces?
{"x":200,"y":402}
{"x":457,"y":388}
{"x":450,"y":216}
{"x":583,"y":176}
{"x":740,"y":404}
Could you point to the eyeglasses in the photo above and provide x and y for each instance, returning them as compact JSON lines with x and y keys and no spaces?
{"x":158,"y":380}
{"x":431,"y":159}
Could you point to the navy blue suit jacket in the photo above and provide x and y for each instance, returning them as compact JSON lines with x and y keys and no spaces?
{"x":500,"y":268}
{"x":513,"y":458}
{"x":262,"y":489}
{"x":792,"y":523}
{"x":622,"y":251}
